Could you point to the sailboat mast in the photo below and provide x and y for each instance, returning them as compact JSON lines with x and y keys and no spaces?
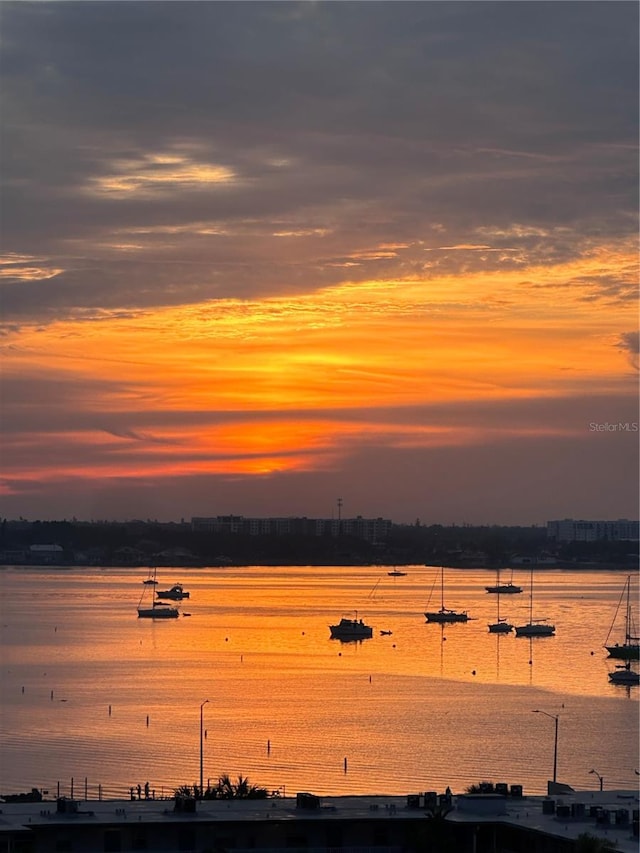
{"x":531,"y":598}
{"x":627,"y":621}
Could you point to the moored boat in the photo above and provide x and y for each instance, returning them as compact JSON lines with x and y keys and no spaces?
{"x":500,"y":626}
{"x":535,"y":627}
{"x":623,"y":674}
{"x":629,"y":649}
{"x":445,"y":614}
{"x":351,"y":629}
{"x":176,"y":593}
{"x":504,"y":588}
{"x":156,"y":609}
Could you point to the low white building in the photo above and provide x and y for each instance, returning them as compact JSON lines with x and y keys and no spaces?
{"x":581,"y":530}
{"x":45,"y":554}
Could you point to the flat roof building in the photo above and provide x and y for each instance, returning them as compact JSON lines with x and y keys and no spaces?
{"x":572,"y":530}
{"x":370,"y":529}
{"x":375,"y":824}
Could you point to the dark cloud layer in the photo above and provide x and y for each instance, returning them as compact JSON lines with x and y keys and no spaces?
{"x":359,"y":122}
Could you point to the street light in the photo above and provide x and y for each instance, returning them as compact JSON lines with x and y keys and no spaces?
{"x":555,"y":742}
{"x":202,"y":749}
{"x":601,"y":778}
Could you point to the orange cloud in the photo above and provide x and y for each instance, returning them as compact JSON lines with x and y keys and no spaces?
{"x":245,"y":371}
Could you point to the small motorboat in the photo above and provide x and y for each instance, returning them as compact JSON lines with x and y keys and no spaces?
{"x":176,"y":593}
{"x":351,"y":629}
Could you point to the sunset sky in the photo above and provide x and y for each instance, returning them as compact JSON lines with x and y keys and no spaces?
{"x":256,"y":257}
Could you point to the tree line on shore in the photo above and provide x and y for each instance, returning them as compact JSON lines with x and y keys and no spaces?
{"x":144,"y":543}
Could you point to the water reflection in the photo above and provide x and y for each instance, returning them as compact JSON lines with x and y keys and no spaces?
{"x":425,"y":707}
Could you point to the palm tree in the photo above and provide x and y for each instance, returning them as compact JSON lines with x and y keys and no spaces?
{"x":226,"y":789}
{"x":186,"y":791}
{"x":481,"y":788}
{"x":242,"y":789}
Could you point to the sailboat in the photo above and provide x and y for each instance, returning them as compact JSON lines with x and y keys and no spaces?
{"x":444,"y":614}
{"x":534,"y":628}
{"x":501,"y":626}
{"x":623,"y":674}
{"x":630,"y":649}
{"x":157,"y":609}
{"x":504,"y":588}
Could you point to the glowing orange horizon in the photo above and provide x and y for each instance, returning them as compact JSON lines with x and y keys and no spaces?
{"x":379,"y":345}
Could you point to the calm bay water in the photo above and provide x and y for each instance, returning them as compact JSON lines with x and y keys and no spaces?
{"x":91,"y":692}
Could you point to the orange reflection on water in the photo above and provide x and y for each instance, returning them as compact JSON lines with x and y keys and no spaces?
{"x":419,"y":708}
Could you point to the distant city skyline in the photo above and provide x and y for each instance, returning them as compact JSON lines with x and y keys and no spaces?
{"x":563,"y":530}
{"x":257,"y":257}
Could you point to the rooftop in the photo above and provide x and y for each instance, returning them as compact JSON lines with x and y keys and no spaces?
{"x":606,"y":814}
{"x":573,"y":814}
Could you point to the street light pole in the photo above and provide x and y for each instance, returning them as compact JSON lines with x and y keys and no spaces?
{"x":202,"y":747}
{"x":601,"y":778}
{"x":555,"y":742}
